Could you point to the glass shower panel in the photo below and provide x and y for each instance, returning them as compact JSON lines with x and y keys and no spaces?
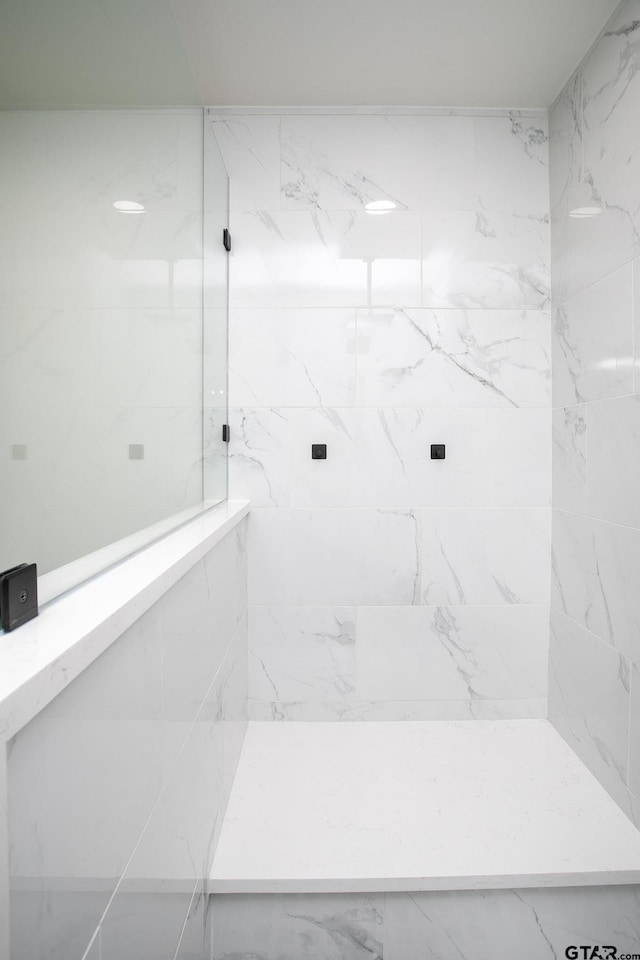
{"x":216,"y":298}
{"x":101,"y":323}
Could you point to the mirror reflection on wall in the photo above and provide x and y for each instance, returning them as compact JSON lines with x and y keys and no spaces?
{"x":105,"y":320}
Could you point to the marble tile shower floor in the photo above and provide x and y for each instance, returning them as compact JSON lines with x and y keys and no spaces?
{"x":324,"y":807}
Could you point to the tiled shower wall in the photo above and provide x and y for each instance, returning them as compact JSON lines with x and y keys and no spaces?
{"x":384,"y":584}
{"x":595,"y":643}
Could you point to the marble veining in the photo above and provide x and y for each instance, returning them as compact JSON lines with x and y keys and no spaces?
{"x":380,"y":335}
{"x":569,"y":460}
{"x":595,"y":650}
{"x":453,"y":358}
{"x":593,"y":342}
{"x":302,"y":653}
{"x":592,"y":704}
{"x":274,"y":928}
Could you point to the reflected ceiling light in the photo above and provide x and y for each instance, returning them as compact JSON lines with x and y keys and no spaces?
{"x":380,"y":206}
{"x":583,"y":201}
{"x":128,"y":206}
{"x":582,"y":212}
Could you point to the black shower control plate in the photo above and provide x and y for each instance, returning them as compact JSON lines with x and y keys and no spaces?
{"x":318,"y":451}
{"x":437,"y":451}
{"x":18,"y":595}
{"x":226,"y":239}
{"x":226,"y":433}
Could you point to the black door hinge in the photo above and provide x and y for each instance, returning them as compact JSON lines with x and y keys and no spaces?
{"x":225,"y":432}
{"x":226,"y":239}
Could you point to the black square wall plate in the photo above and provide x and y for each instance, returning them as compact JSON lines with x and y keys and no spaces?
{"x":18,"y":595}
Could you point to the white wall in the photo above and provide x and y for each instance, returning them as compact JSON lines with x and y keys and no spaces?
{"x":595,"y":644}
{"x":117,"y":789}
{"x":100,"y":327}
{"x":384,"y":584}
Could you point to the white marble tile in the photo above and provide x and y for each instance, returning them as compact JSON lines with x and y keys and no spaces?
{"x":565,"y":153}
{"x":594,"y":247}
{"x":344,"y":162}
{"x":596,"y":566}
{"x":565,"y":130}
{"x":232,"y":687}
{"x":289,"y":926}
{"x":98,"y":752}
{"x":634,"y":733}
{"x":315,"y":807}
{"x":613,"y":430}
{"x":250,"y":147}
{"x":589,"y":685}
{"x":485,"y":260}
{"x":470,"y":358}
{"x":284,"y":358}
{"x":325,"y":259}
{"x":52,"y":923}
{"x":569,"y":459}
{"x":397,"y":710}
{"x":259,"y":456}
{"x":332,"y":556}
{"x":636,"y":326}
{"x":452,"y":653}
{"x":180,"y":837}
{"x":593,"y":342}
{"x":144,"y":926}
{"x":199,"y":620}
{"x":485,"y":556}
{"x":576,"y":587}
{"x":611,"y":87}
{"x":103,"y":731}
{"x":512,"y":164}
{"x":302,"y":653}
{"x":502,"y":924}
{"x":517,"y":458}
{"x":605,"y":89}
{"x":381,"y":457}
{"x":195,"y":942}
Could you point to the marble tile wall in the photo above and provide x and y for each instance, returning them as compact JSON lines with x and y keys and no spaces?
{"x":384,"y":584}
{"x":118,"y":788}
{"x":595,"y":637}
{"x":474,"y":924}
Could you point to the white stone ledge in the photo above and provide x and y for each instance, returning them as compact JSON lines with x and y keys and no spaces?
{"x":38,"y":660}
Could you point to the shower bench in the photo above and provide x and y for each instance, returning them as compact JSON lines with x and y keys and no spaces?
{"x":408,"y":840}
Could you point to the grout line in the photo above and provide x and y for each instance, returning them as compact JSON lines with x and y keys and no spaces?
{"x":586,"y":516}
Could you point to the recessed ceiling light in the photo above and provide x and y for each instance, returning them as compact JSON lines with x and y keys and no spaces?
{"x":129,"y":206}
{"x":380,"y":206}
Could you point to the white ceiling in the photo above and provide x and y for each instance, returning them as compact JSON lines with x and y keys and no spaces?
{"x":93,"y":53}
{"x":491,"y":53}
